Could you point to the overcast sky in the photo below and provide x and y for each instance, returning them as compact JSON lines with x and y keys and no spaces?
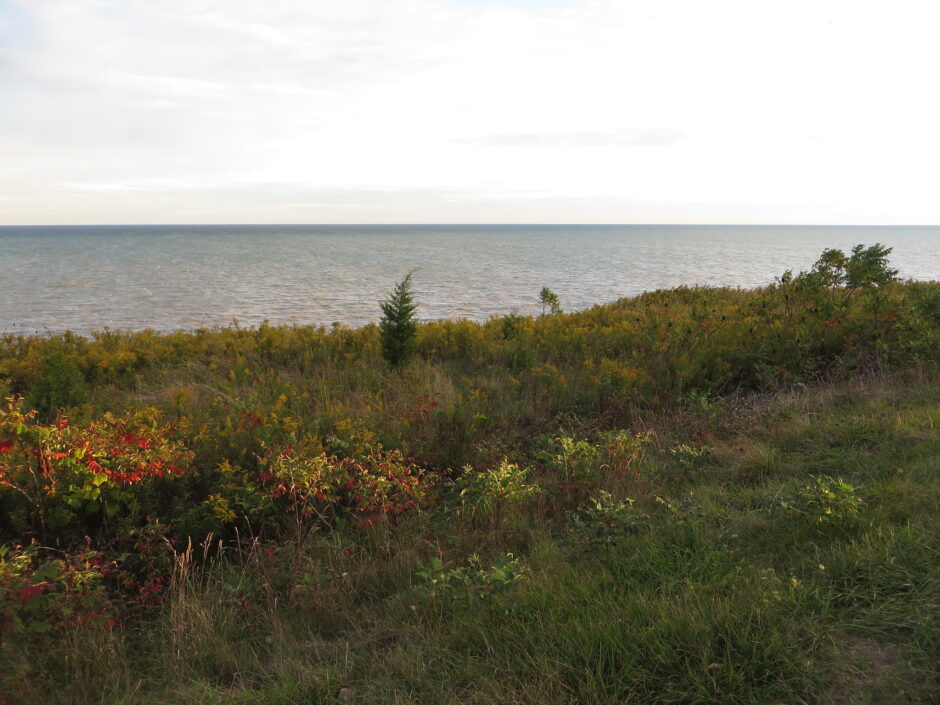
{"x":335,"y":111}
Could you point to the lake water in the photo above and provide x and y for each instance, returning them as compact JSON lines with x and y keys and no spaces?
{"x":86,"y":278}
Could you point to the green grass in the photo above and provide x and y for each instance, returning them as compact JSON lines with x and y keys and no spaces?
{"x":719,"y":594}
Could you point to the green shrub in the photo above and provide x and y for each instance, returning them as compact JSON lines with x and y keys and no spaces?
{"x":866,"y":267}
{"x":571,"y":459}
{"x":468,"y":583}
{"x":826,"y":501}
{"x":604,"y":520}
{"x":489,"y":491}
{"x":61,"y":386}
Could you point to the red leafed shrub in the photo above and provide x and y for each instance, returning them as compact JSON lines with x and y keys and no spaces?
{"x":319,"y":489}
{"x":142,"y":562}
{"x":40,"y":593}
{"x":60,"y":482}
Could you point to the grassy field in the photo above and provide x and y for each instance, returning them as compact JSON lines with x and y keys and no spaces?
{"x":693,"y":496}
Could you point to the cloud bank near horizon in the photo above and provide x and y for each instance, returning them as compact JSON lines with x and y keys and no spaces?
{"x":473,"y":111}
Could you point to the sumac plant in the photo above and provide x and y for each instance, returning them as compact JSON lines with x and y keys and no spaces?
{"x":319,"y":490}
{"x":39,"y":593}
{"x":60,"y":483}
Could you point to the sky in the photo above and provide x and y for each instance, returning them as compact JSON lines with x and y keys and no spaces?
{"x":473,"y":111}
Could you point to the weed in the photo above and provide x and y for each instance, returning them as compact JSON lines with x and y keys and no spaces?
{"x":604,"y":520}
{"x":826,"y":501}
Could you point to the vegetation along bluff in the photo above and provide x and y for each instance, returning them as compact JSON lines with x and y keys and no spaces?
{"x":696,"y":495}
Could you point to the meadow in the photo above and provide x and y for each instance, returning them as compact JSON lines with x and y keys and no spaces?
{"x":697,"y":495}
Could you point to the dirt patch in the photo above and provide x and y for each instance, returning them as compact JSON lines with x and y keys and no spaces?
{"x":872,"y":673}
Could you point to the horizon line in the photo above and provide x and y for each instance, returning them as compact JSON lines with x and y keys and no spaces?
{"x":466,"y":224}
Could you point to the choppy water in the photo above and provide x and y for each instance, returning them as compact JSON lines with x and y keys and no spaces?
{"x":85,"y":278}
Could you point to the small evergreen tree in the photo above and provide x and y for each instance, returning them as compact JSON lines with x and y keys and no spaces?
{"x":399,"y":326}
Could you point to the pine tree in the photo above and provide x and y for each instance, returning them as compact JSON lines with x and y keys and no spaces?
{"x":399,"y":326}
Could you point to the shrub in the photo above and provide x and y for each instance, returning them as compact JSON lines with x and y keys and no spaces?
{"x":39,"y":593}
{"x":827,"y":501}
{"x":468,"y":583}
{"x":488,"y":491}
{"x":61,"y":386}
{"x":866,"y":267}
{"x":322,"y":491}
{"x":510,"y":324}
{"x":571,"y":459}
{"x":604,"y":520}
{"x":64,"y":482}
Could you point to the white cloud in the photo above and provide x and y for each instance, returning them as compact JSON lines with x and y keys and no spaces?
{"x":670,"y":110}
{"x":633,"y":137}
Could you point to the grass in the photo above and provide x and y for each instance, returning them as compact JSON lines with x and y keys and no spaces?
{"x":718,"y":592}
